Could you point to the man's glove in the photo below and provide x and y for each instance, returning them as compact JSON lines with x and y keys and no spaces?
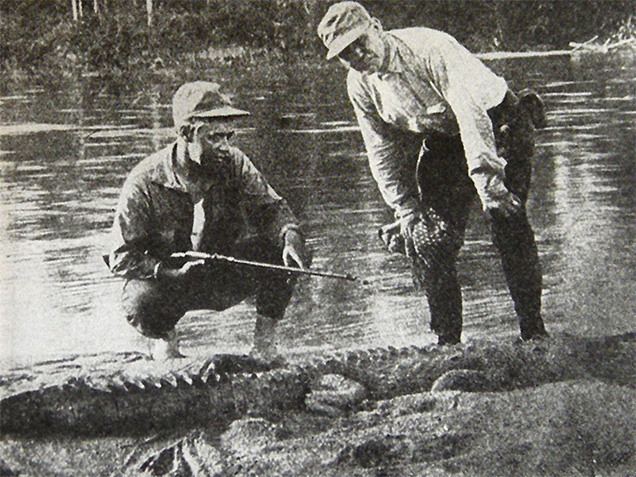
{"x":407,"y":226}
{"x":430,"y":230}
{"x":391,"y":237}
{"x":500,"y":201}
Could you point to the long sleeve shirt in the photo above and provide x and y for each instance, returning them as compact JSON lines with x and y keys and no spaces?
{"x":428,"y":83}
{"x":156,"y":213}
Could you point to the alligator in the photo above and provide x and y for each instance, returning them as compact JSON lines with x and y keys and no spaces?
{"x":201,"y":393}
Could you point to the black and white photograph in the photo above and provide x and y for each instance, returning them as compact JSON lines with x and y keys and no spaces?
{"x":318,"y":238}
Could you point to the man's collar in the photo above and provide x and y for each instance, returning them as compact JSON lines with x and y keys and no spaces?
{"x":392,"y":63}
{"x":165,"y":173}
{"x":168,"y":174}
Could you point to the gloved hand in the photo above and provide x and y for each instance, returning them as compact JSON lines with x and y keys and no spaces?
{"x":500,"y":201}
{"x":426,"y":230}
{"x":391,"y":238}
{"x":407,"y":224}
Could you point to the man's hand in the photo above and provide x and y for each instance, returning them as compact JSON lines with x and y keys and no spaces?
{"x":507,"y":205}
{"x":500,"y":202}
{"x":407,"y":223}
{"x":185,"y":270}
{"x":294,"y":250}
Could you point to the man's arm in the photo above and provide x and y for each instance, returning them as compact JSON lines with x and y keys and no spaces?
{"x":392,"y":171}
{"x":270,"y":212}
{"x":128,"y":255}
{"x":463,"y":82}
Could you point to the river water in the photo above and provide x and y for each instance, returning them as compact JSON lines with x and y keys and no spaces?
{"x":65,"y":151}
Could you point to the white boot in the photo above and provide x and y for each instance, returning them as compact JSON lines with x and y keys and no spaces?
{"x":265,"y":342}
{"x":166,"y":348}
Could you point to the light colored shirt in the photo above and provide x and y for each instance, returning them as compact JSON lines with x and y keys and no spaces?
{"x":157,"y":215}
{"x":428,"y":82}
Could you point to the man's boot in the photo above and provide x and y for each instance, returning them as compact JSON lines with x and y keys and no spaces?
{"x":166,"y":348}
{"x":265,"y":339}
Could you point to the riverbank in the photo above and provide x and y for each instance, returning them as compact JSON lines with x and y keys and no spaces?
{"x":44,"y":41}
{"x":566,"y":406}
{"x":120,"y":35}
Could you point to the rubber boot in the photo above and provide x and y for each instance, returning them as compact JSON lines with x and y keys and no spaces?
{"x":166,"y":348}
{"x":265,"y":340}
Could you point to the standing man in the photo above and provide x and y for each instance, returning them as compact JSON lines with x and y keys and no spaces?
{"x":201,"y":194}
{"x":439,"y":128}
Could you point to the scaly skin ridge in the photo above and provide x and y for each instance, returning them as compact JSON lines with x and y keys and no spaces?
{"x":221,"y":389}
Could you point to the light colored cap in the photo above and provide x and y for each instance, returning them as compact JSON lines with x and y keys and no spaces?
{"x":202,"y":99}
{"x":343,"y":24}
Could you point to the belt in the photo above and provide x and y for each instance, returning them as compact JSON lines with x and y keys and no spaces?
{"x":504,"y":113}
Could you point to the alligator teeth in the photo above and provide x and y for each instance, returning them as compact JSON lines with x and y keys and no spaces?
{"x":153,"y":381}
{"x":210,"y":377}
{"x":206,"y":367}
{"x":169,"y":379}
{"x":138,"y":382}
{"x":187,"y":378}
{"x":99,"y":386}
{"x":116,"y":382}
{"x":76,"y":382}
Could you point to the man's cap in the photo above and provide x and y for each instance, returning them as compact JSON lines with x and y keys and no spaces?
{"x":202,"y":99}
{"x":343,"y":24}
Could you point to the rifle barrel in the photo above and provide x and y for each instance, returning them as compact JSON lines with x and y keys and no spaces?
{"x":270,"y":266}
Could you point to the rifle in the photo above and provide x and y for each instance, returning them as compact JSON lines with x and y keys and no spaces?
{"x":269,"y":266}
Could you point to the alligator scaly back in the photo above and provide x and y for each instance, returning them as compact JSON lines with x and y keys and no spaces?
{"x":141,"y":397}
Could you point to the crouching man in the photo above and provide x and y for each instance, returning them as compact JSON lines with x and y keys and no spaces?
{"x":202,"y":194}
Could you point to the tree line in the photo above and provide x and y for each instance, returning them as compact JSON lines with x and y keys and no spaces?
{"x":123,"y":34}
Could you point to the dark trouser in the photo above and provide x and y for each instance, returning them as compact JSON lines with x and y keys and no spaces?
{"x":447,"y":190}
{"x":154,"y":307}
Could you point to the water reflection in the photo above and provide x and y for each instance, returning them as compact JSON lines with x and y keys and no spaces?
{"x":63,"y":159}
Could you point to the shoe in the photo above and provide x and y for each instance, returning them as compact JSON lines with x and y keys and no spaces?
{"x":167,"y":348}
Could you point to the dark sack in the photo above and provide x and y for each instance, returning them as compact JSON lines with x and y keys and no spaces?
{"x":532,"y":102}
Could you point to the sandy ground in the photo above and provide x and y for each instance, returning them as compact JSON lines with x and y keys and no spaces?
{"x":580,"y":419}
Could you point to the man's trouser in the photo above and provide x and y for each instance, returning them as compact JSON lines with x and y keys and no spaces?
{"x":155,"y":306}
{"x":447,"y":190}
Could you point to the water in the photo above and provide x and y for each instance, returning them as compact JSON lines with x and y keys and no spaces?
{"x":64,"y":155}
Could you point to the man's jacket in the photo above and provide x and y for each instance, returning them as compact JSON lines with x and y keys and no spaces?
{"x":155,"y":213}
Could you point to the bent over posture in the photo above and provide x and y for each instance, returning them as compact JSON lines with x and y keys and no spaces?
{"x":201,"y":194}
{"x":440,"y":128}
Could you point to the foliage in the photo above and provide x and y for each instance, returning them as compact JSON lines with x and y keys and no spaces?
{"x":42,"y":33}
{"x":626,"y":30}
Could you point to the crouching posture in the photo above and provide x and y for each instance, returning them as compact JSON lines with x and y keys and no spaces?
{"x":202,"y":194}
{"x":440,"y":128}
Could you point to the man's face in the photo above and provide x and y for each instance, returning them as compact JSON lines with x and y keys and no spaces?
{"x":210,"y":146}
{"x":366,"y":54}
